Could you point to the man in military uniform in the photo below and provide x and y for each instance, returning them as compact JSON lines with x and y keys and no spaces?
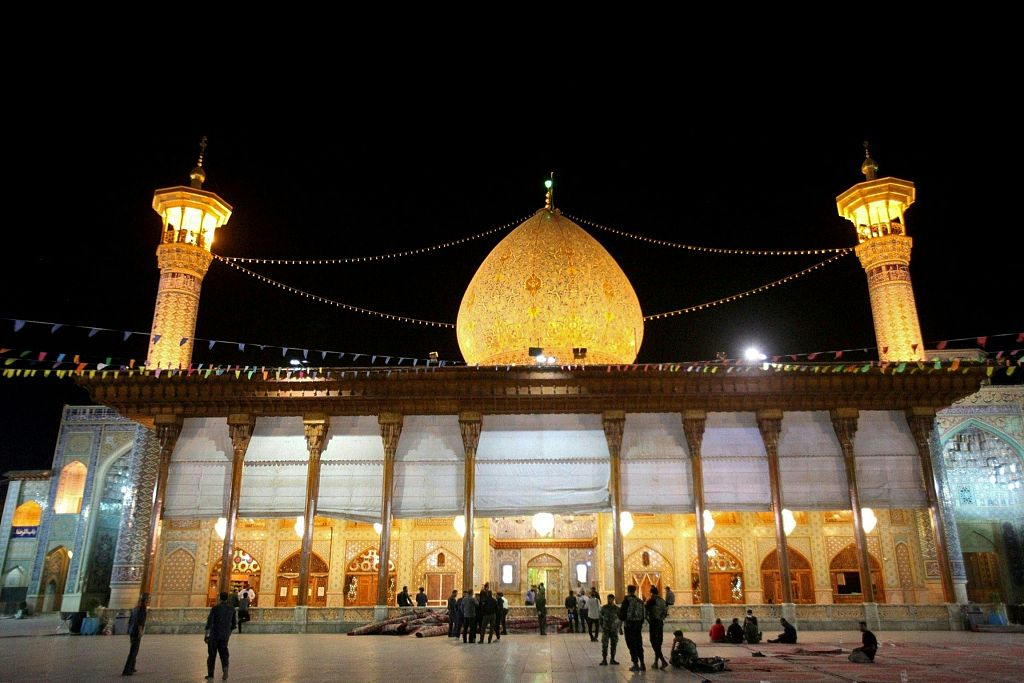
{"x":609,"y":629}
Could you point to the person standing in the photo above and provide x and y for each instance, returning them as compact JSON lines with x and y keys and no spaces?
{"x":488,"y":610}
{"x":541,"y":602}
{"x":571,"y":613}
{"x":219,"y":625}
{"x":670,"y":599}
{"x":656,"y":613}
{"x":865,"y":654}
{"x":243,"y":608}
{"x":584,"y":616}
{"x":631,"y":614}
{"x":136,"y":627}
{"x":453,"y":606}
{"x":531,"y":595}
{"x":593,"y":613}
{"x":610,"y":628}
{"x":421,"y":598}
{"x":468,"y":617}
{"x":499,"y":622}
{"x":403,"y":598}
{"x":751,"y":631}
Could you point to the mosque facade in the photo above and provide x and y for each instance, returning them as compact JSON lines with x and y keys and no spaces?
{"x":823,"y":495}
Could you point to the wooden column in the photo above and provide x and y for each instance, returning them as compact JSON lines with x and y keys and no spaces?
{"x":168,"y":427}
{"x":240,"y":427}
{"x":694,"y":422}
{"x":469,"y":425}
{"x":769,"y":422}
{"x":315,"y":426}
{"x":390,"y":432}
{"x":920,"y":421}
{"x":614,"y":421}
{"x":844,"y":422}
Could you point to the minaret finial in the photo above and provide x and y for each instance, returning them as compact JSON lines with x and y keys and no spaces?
{"x":870,"y":167}
{"x":198,"y":175}
{"x":549,"y":198}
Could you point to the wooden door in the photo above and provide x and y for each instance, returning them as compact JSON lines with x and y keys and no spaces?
{"x":983,"y":577}
{"x":439,"y":587}
{"x":360,"y":590}
{"x":721,"y":588}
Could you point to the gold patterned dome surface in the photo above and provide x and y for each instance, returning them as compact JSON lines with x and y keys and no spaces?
{"x":551,"y":285}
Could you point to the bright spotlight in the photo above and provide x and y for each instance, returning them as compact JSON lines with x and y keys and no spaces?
{"x":753,"y":354}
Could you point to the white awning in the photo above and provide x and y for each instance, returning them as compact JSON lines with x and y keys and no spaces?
{"x":274,"y":474}
{"x":352,"y":469}
{"x":811,"y":469}
{"x":199,"y":477}
{"x":429,"y":467}
{"x":541,"y":463}
{"x":655,"y":464}
{"x":735,"y":464}
{"x":888,"y":467}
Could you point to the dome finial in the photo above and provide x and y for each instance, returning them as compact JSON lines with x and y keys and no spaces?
{"x":870,"y":167}
{"x":198,"y":175}
{"x":549,"y":198}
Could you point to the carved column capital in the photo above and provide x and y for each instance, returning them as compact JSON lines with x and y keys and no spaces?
{"x":470,"y":424}
{"x":168,"y":428}
{"x":390,"y":432}
{"x":315,"y":426}
{"x":921,"y":422}
{"x":769,"y":423}
{"x":694,"y":422}
{"x":240,"y":427}
{"x":844,"y":424}
{"x":614,"y":422}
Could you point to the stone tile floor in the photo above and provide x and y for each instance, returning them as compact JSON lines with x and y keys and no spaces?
{"x":30,"y":651}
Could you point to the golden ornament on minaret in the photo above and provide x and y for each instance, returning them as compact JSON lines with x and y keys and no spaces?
{"x":551,"y":287}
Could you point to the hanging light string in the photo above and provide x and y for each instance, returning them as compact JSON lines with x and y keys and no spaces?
{"x":378,"y":257}
{"x":734,"y":297}
{"x":711,"y":250}
{"x":332,"y":302}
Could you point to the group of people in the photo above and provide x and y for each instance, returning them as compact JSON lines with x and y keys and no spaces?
{"x":478,"y":614}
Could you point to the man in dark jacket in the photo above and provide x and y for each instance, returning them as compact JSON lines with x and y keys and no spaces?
{"x":735,"y":632}
{"x":403,"y":598}
{"x":571,"y":613}
{"x":632,"y":615}
{"x":136,"y":627}
{"x":219,"y":626}
{"x":488,"y":610}
{"x":788,"y":634}
{"x":453,"y":607}
{"x":468,"y":606}
{"x":541,"y":603}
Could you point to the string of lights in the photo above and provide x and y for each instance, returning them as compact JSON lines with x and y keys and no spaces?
{"x":712,"y":250}
{"x":378,"y":257}
{"x":332,"y":302}
{"x":755,"y":290}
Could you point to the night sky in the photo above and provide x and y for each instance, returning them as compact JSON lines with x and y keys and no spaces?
{"x":80,"y":248}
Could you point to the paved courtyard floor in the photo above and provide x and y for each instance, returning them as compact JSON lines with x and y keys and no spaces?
{"x":31,"y":651}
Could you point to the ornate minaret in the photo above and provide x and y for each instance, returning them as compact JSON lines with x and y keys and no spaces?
{"x":190,"y":216}
{"x":876,"y":208}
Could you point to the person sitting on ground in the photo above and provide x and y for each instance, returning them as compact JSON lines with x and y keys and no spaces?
{"x":788,"y":634}
{"x":717,"y":632}
{"x":751,"y":632}
{"x":684,"y":651}
{"x":865,"y":654}
{"x":735,"y":633}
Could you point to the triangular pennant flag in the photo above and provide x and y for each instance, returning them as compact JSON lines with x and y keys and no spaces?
{"x":109,"y":360}
{"x":775,"y":359}
{"x":913,"y":347}
{"x":42,"y":355}
{"x":1020,"y":337}
{"x":323,"y":355}
{"x":954,"y":365}
{"x":81,"y":366}
{"x":18,"y":324}
{"x":885,"y":350}
{"x":865,"y":367}
{"x":341,"y":357}
{"x":989,"y":370}
{"x":56,"y":327}
{"x":373,"y":360}
{"x":387,"y":360}
{"x":284,"y":351}
{"x":93,"y":331}
{"x":982,"y":341}
{"x":126,"y":335}
{"x":10,"y":361}
{"x":60,"y":357}
{"x":901,"y":367}
{"x":212,"y":342}
{"x":356,"y":356}
{"x":839,"y":354}
{"x":812,"y":356}
{"x":184,"y":340}
{"x":938,"y":364}
{"x":24,"y":354}
{"x":415,"y":361}
{"x":156,"y":338}
{"x":941,"y":345}
{"x":241,"y":347}
{"x":1010,"y":370}
{"x":305,"y":353}
{"x":100,"y":366}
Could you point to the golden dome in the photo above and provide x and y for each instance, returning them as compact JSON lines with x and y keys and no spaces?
{"x":549,"y":284}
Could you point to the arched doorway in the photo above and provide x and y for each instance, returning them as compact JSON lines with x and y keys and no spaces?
{"x":725,"y":574}
{"x":361,"y":579}
{"x":646,"y":568}
{"x":846,"y":581}
{"x":799,"y":578}
{"x":546,"y":569}
{"x":14,"y":590}
{"x":288,"y":581}
{"x":438,"y":572}
{"x":55,"y":574}
{"x":244,"y":568}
